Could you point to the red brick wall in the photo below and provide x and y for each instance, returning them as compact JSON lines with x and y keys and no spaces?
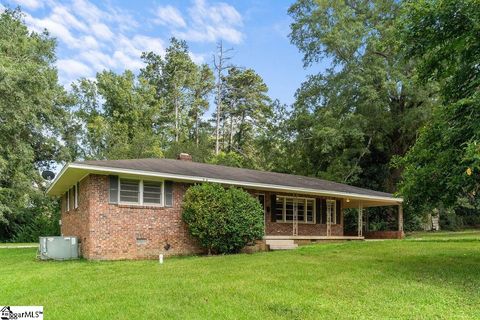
{"x":110,"y":231}
{"x":75,"y":222}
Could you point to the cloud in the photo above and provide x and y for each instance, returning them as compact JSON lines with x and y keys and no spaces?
{"x":73,"y":68}
{"x":29,"y":4}
{"x":207,"y":22}
{"x":95,"y":36}
{"x":169,"y":16}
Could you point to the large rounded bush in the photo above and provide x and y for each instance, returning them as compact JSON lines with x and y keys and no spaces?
{"x":223,"y":220}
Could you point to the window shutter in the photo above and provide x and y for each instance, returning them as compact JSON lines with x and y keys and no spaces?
{"x":318,"y":210}
{"x":168,"y":194}
{"x":339,"y":211}
{"x":113,"y":189}
{"x":273,"y":206}
{"x":324,"y":211}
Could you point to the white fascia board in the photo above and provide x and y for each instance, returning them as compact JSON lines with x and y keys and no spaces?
{"x":253,"y":185}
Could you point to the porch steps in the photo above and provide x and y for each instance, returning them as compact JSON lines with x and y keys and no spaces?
{"x":281,"y":244}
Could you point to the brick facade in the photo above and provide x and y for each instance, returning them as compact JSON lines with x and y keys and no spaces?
{"x":117,"y":231}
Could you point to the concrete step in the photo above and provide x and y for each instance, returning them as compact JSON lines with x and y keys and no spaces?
{"x":280,"y":242}
{"x":283,"y":247}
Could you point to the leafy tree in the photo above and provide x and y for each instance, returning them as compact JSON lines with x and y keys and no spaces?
{"x":33,"y":119}
{"x":246,"y":105}
{"x":443,"y":166}
{"x":119,"y":115}
{"x":351,"y":120}
{"x":202,"y":86}
{"x":229,"y":159}
{"x":223,"y":220}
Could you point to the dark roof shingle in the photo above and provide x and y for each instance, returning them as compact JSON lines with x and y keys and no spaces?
{"x":211,"y":171}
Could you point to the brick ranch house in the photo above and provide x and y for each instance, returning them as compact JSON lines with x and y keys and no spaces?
{"x":131,"y":209}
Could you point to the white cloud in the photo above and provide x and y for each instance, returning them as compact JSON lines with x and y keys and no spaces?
{"x":169,"y":16}
{"x":198,"y":58}
{"x":73,"y":68}
{"x":102,"y":31}
{"x":29,"y":4}
{"x":212,"y":22}
{"x":96,"y":36}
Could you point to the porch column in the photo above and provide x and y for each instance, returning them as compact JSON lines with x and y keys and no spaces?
{"x":360,"y":220}
{"x":400,"y":217}
{"x":366,"y":221}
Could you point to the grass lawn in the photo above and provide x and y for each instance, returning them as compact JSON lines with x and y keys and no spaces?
{"x":349,"y":280}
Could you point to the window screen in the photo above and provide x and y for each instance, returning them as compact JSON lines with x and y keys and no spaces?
{"x":129,"y":190}
{"x":152,"y":192}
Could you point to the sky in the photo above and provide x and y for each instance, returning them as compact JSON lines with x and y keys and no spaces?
{"x":97,"y":35}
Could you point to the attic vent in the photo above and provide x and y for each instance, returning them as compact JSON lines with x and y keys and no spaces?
{"x":184,"y":157}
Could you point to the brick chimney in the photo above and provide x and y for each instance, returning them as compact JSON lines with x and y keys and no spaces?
{"x":184,"y":157}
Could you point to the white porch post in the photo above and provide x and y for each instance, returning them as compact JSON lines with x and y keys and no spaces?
{"x":360,"y":220}
{"x":400,"y":217}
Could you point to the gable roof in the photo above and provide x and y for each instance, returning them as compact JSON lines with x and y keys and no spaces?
{"x":196,"y":172}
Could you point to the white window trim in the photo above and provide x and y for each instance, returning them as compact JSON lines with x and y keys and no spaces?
{"x":68,"y":200}
{"x":140,"y":193}
{"x":333,"y":219}
{"x":304,"y":221}
{"x":75,"y":197}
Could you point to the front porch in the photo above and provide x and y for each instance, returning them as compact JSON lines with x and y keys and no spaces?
{"x":303,"y":219}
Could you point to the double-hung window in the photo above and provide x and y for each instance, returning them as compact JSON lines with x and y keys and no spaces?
{"x":141,"y":192}
{"x":285,"y":208}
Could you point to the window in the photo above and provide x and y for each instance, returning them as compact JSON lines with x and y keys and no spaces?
{"x":285,"y":208}
{"x":152,"y":192}
{"x":129,"y":190}
{"x":141,"y":192}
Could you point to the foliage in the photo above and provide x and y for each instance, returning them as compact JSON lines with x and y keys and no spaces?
{"x":39,"y":219}
{"x":229,"y":159}
{"x":183,"y":86}
{"x":34,"y":117}
{"x":223,"y":220}
{"x":442,"y":167}
{"x":349,"y":121}
{"x":117,"y":113}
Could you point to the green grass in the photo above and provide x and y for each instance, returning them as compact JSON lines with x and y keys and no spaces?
{"x":464,"y":235}
{"x":349,"y":280}
{"x":18,"y":244}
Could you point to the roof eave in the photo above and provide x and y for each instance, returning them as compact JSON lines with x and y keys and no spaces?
{"x":101,"y":169}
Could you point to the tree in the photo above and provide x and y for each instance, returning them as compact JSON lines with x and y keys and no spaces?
{"x":219,"y":63}
{"x":246,"y":105}
{"x":34,"y":116}
{"x":443,"y":166}
{"x":351,"y":120}
{"x":118,"y":114}
{"x":203,"y":84}
{"x":223,"y":220}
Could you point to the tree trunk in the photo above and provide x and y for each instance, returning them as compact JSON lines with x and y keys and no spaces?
{"x":176,"y":120}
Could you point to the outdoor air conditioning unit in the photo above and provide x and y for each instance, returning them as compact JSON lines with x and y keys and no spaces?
{"x":58,"y":248}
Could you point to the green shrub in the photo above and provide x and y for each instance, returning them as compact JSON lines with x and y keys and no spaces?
{"x":223,"y":220}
